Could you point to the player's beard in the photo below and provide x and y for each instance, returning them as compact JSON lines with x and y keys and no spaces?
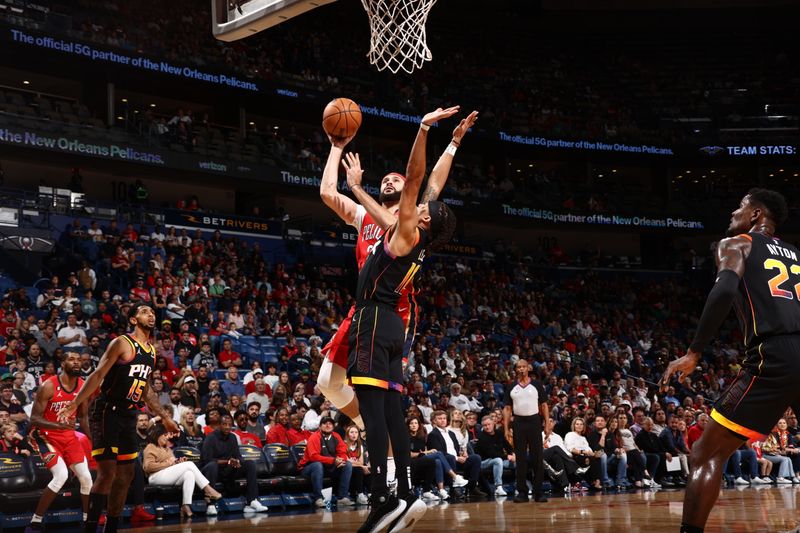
{"x":75,"y":372}
{"x":390,"y":198}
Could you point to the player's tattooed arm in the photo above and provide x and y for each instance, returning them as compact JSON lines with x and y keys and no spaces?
{"x":151,"y":400}
{"x":441,"y":171}
{"x":115,"y":349}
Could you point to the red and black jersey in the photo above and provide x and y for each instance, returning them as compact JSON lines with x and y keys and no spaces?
{"x":769,"y":292}
{"x":386,"y":279}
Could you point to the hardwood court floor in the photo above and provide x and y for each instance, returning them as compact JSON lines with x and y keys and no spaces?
{"x":767,"y":509}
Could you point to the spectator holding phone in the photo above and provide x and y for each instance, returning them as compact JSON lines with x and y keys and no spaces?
{"x":163,"y":468}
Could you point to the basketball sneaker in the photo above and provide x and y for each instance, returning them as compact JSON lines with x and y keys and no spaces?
{"x":385,"y":509}
{"x":415,"y":509}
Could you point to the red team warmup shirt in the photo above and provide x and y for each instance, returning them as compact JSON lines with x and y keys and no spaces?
{"x":369,"y":232}
{"x":54,"y":443}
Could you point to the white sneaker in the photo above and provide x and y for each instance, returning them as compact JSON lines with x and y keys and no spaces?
{"x":459,"y":481}
{"x":428,"y":495}
{"x":757,"y":481}
{"x":256,"y":507}
{"x":767,"y":480}
{"x":362,"y":499}
{"x":499,"y":491}
{"x":647,"y":482}
{"x":344,"y":502}
{"x":784,"y":481}
{"x":795,"y":480}
{"x":320,"y":503}
{"x":740,"y":481}
{"x":443,"y":494}
{"x":211,"y":510}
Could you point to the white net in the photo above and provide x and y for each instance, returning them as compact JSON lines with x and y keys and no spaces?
{"x":397,"y":40}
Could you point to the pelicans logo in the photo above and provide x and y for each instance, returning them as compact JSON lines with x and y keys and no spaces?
{"x":712,"y":150}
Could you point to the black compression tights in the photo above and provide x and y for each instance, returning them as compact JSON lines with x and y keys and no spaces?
{"x":382,"y":412}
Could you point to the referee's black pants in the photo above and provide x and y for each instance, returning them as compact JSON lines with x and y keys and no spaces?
{"x":528,"y":439}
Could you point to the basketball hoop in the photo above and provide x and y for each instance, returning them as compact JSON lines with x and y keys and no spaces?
{"x":397,"y":33}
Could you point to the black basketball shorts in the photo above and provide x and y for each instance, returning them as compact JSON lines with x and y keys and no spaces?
{"x":113,"y":429}
{"x":765,"y":387}
{"x":377,"y":335}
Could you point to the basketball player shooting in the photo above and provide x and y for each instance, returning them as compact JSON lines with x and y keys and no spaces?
{"x":55,"y":441}
{"x":122,"y":377}
{"x":371,"y":219}
{"x":377,"y":336}
{"x":753,"y":276}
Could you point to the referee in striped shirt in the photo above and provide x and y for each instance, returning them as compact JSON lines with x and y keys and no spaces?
{"x":526,"y":402}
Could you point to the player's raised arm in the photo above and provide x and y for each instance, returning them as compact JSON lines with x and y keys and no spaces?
{"x":114,"y":351}
{"x":382,"y":216}
{"x":342,"y":205}
{"x":731,"y":255}
{"x":441,"y":171}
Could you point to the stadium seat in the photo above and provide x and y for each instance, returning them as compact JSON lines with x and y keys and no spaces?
{"x":285,"y":465}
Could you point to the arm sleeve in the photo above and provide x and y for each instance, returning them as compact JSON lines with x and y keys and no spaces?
{"x":716,"y":309}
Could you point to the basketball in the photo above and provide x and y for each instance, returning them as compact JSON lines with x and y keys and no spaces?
{"x":341,"y":118}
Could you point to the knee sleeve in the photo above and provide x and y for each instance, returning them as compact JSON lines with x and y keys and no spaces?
{"x":60,"y":474}
{"x":84,"y":476}
{"x":332,"y":383}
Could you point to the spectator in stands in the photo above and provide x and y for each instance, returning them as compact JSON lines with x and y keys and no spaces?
{"x":178,"y":408}
{"x":279,"y":431}
{"x":260,"y":395}
{"x":674,"y":443}
{"x":241,"y":432}
{"x":190,"y":396}
{"x":227,"y":357}
{"x":357,"y":456}
{"x":221,"y":460}
{"x":47,"y":340}
{"x":11,"y":441}
{"x":232,"y":385}
{"x":582,"y":452}
{"x":445,"y":441}
{"x":319,"y":409}
{"x":696,"y":431}
{"x":657,"y":455}
{"x":637,"y":465}
{"x":495,"y":451}
{"x":72,"y":337}
{"x":191,"y":432}
{"x":779,"y":443}
{"x":206,"y":357}
{"x":458,"y":400}
{"x":326,"y":454}
{"x":255,"y":424}
{"x":296,"y":433}
{"x":163,"y":468}
{"x":10,"y":403}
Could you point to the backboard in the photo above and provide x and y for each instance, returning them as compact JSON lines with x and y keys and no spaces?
{"x":236,"y":19}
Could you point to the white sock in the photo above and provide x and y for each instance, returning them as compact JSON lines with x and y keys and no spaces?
{"x":390,"y":469}
{"x":38,"y":519}
{"x":358,"y":421}
{"x":85,"y":516}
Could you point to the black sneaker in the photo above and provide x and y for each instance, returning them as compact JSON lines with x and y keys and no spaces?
{"x":385,"y":509}
{"x":521,"y":498}
{"x":415,"y":509}
{"x":541,"y":498}
{"x":476,"y":491}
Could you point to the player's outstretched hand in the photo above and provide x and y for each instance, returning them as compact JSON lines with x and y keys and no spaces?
{"x":464,"y":126}
{"x":171,"y":426}
{"x":680,"y":367}
{"x":66,"y":415}
{"x":340,"y":142}
{"x":435,"y":116}
{"x":352,"y":165}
